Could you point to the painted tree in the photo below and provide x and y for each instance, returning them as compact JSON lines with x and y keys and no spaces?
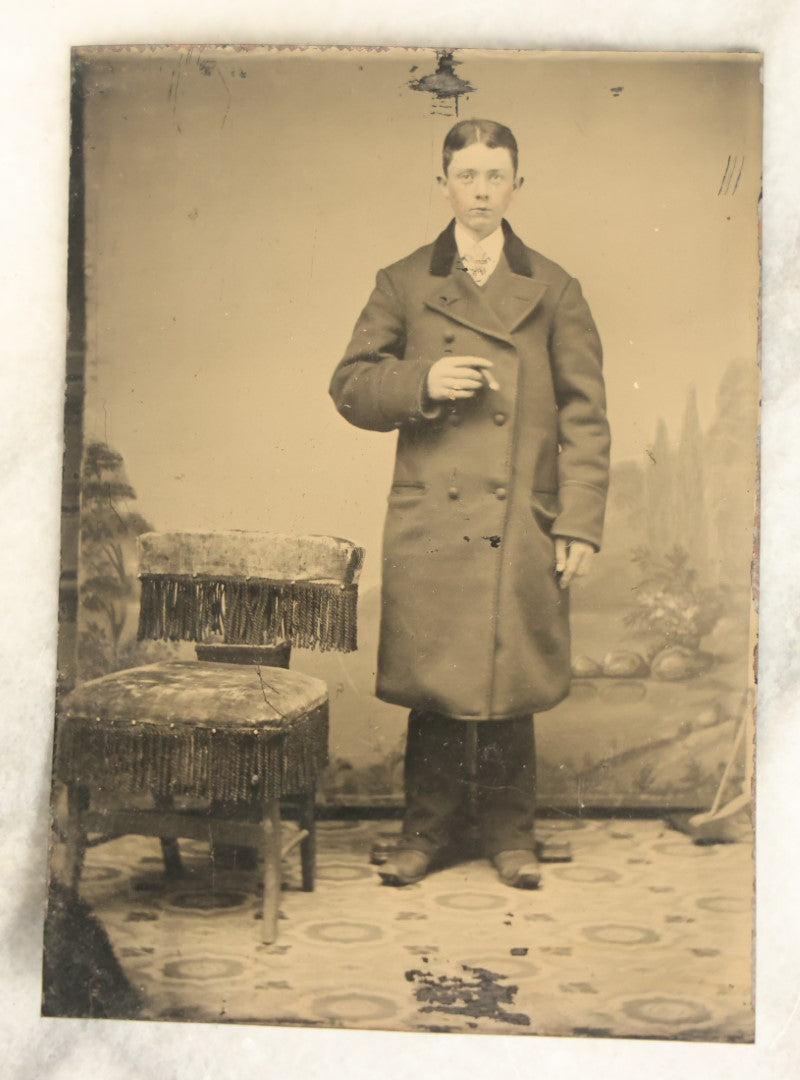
{"x":109,"y":528}
{"x":732,"y":461}
{"x":691,"y":515}
{"x":660,"y":494}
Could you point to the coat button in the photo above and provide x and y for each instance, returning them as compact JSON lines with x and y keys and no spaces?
{"x":454,"y":419}
{"x":452,"y":492}
{"x":500,"y":418}
{"x":449,"y":338}
{"x":500,"y":492}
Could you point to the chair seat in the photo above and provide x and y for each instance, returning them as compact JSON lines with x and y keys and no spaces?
{"x":220,"y":731}
{"x":201,"y":693}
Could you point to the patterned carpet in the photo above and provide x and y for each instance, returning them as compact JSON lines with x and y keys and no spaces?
{"x":643,"y":934}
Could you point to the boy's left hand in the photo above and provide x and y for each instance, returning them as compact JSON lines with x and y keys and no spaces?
{"x":573,"y":558}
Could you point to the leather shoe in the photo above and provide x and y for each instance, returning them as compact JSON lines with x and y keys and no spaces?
{"x":405,"y":867}
{"x":520,"y":869}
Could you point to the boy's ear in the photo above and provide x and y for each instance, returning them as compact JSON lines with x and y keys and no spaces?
{"x":441,"y":183}
{"x":519,"y":182}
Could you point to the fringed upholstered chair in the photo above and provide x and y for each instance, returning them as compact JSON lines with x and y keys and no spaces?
{"x":234,"y":728}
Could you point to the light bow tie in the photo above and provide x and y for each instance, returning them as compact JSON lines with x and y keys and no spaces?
{"x":476,"y":263}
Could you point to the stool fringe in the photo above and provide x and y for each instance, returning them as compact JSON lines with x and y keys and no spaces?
{"x":241,"y":766}
{"x":311,"y":615}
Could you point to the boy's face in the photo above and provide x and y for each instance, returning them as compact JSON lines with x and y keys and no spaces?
{"x":479,"y":186}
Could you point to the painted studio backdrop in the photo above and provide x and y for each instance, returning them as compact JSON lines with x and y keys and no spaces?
{"x":238,"y":204}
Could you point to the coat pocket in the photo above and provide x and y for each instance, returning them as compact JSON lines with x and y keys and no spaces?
{"x":400,"y":487}
{"x":403,"y":491}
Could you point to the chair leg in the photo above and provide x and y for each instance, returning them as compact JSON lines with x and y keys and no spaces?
{"x":271,"y":826}
{"x":171,"y":854}
{"x":77,"y":802}
{"x":170,"y":848}
{"x":308,"y":846}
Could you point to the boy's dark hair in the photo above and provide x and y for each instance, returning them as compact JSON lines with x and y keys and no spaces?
{"x":467,"y":132}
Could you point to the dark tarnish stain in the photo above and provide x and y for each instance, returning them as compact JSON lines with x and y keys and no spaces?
{"x":617,"y":90}
{"x":493,"y":540}
{"x":445,"y":86}
{"x":481,"y":996}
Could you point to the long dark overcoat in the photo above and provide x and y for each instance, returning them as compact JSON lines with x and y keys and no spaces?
{"x":473,"y":623}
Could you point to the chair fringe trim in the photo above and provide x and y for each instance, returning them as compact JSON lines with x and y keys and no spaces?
{"x":312,"y":615}
{"x":241,"y":766}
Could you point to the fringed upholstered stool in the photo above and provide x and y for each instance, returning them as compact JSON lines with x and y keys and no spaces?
{"x":234,"y":728}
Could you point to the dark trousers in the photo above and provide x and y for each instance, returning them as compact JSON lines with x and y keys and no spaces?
{"x":437,"y":783}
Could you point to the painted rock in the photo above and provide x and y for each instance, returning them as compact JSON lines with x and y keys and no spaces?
{"x":583,"y":667}
{"x":622,"y":664}
{"x":676,"y":662}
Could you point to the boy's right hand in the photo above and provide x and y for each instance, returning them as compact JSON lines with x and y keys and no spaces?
{"x":455,"y":377}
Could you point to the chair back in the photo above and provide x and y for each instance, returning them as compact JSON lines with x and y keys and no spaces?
{"x":251,"y":588}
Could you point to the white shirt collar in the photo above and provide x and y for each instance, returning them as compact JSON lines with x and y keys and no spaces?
{"x":492,"y":244}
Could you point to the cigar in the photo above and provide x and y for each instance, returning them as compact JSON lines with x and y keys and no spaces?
{"x":490,"y":380}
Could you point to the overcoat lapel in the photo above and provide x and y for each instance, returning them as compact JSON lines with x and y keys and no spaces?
{"x":516,"y":298}
{"x":456,"y":297}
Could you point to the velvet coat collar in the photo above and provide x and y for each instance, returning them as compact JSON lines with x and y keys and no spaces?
{"x":445,"y":252}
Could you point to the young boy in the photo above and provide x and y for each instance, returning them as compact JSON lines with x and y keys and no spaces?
{"x":484,"y":357}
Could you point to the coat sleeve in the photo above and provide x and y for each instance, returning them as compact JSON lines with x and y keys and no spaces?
{"x":376,"y":386}
{"x":583,"y":463}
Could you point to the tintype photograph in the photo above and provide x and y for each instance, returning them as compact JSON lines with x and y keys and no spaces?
{"x":409,"y":558}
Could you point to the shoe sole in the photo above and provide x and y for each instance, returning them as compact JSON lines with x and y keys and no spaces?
{"x":526,"y":881}
{"x":529,"y":878}
{"x":390,"y":877}
{"x":391,"y":873}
